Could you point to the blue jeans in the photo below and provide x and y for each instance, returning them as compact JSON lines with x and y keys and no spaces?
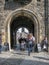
{"x":29,"y":49}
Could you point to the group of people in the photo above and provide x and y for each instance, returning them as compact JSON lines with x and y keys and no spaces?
{"x":5,"y":47}
{"x":30,"y":43}
{"x":27,"y":42}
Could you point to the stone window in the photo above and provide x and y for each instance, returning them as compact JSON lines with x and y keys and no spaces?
{"x":38,"y":0}
{"x":22,"y":1}
{"x":6,"y":0}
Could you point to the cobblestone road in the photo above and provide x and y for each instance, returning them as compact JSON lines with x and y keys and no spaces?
{"x":22,"y":58}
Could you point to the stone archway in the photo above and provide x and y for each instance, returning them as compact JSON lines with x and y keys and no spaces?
{"x":24,"y":23}
{"x":27,"y":13}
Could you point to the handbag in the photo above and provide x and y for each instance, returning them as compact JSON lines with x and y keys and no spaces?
{"x":44,"y":47}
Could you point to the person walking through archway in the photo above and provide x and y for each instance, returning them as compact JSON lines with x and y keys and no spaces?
{"x":30,"y":43}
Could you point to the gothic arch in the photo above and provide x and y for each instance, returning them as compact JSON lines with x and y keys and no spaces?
{"x":30,"y":14}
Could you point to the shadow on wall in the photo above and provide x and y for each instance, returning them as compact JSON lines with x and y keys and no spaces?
{"x":15,"y":4}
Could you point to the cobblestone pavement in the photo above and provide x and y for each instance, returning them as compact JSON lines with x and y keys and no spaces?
{"x":22,"y":58}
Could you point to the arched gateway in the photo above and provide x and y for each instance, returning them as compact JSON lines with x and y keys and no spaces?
{"x":29,"y":16}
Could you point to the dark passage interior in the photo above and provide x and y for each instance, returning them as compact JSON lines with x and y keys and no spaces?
{"x":20,"y":22}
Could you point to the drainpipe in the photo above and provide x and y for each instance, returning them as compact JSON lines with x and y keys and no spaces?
{"x":46,"y":17}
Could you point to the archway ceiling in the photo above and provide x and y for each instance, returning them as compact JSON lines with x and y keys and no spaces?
{"x":21,"y":21}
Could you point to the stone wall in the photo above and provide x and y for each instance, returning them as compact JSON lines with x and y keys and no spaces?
{"x":7,"y":7}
